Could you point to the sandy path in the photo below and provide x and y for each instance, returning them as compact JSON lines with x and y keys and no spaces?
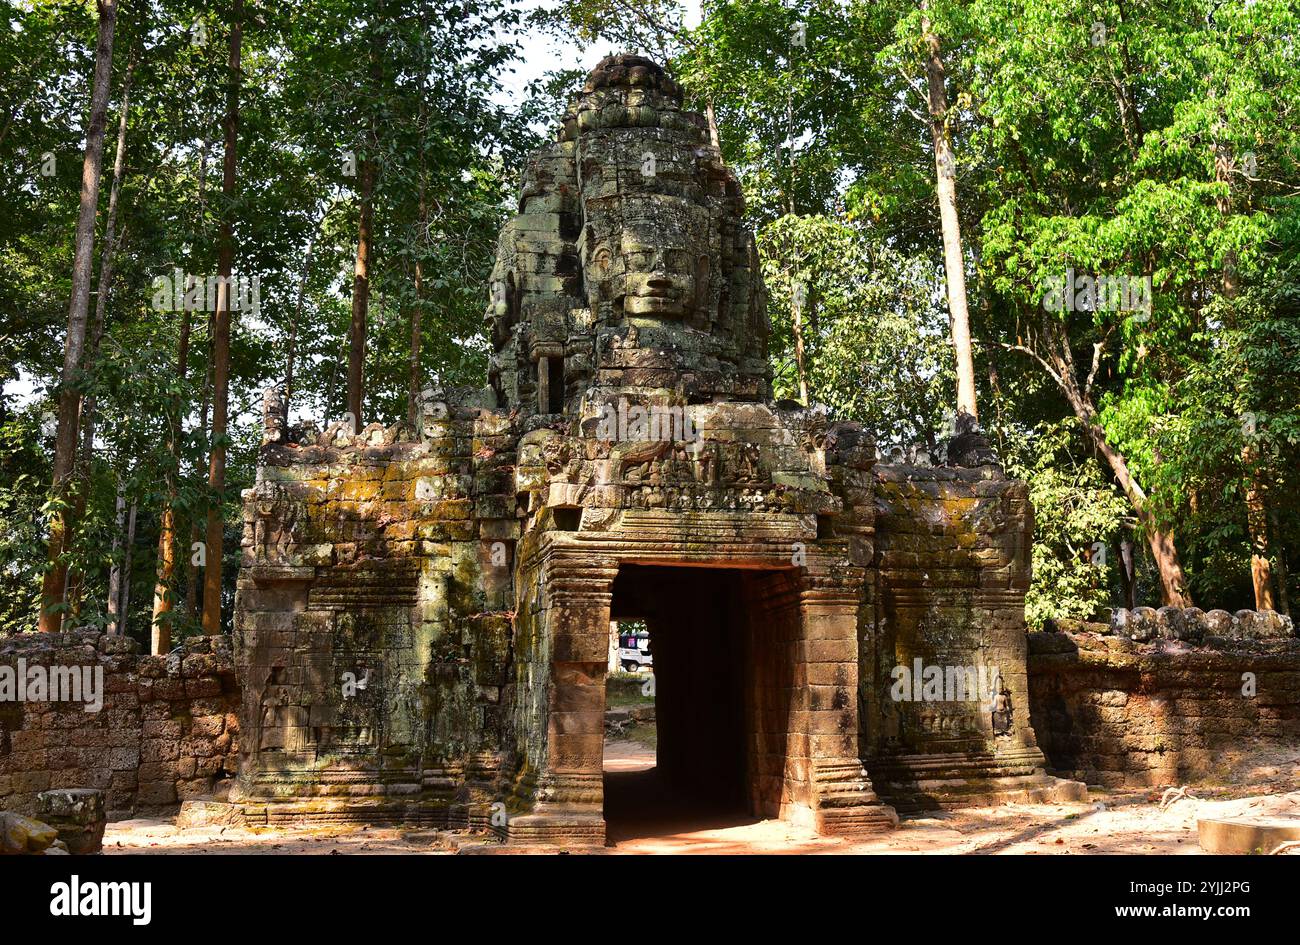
{"x":1266,"y":785}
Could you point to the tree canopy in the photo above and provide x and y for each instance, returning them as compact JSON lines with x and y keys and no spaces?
{"x":1126,"y":176}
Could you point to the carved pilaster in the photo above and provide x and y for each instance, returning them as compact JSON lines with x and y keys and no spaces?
{"x":567,"y":789}
{"x":842,"y":798}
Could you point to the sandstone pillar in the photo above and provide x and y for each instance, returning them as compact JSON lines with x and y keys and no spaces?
{"x":841,"y":796}
{"x":568,"y":784}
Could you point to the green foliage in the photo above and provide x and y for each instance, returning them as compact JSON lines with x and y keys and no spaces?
{"x":411,"y":84}
{"x":789,"y":86}
{"x":876,"y":342}
{"x":1235,"y":423}
{"x":1152,"y":140}
{"x":23,"y":469}
{"x":1169,"y":149}
{"x":1077,"y":521}
{"x":651,"y":28}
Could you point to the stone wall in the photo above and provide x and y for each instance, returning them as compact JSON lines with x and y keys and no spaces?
{"x":952,"y":557}
{"x":1161,"y":709}
{"x":372,"y":619}
{"x":167,"y":729}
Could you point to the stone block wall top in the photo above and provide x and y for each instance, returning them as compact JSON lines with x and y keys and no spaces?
{"x":1128,"y":714}
{"x":1218,"y":629}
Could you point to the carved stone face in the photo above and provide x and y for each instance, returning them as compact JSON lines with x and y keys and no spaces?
{"x":660,"y":280}
{"x":655,"y":258}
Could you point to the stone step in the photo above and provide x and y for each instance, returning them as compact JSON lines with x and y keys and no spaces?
{"x":1244,"y":835}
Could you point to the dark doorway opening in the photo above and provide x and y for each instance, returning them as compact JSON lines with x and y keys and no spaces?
{"x":723,"y":644}
{"x":554,"y":368}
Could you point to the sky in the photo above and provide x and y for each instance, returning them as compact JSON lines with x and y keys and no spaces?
{"x":541,"y":54}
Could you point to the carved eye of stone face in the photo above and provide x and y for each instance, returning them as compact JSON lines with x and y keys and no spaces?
{"x":677,"y":260}
{"x":640,"y":260}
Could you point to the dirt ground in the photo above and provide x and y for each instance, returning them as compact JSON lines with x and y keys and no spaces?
{"x":1264,"y":785}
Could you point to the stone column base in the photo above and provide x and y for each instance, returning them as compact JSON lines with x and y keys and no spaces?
{"x":846,"y":804}
{"x":556,"y":830}
{"x":854,"y":821}
{"x":945,"y":794}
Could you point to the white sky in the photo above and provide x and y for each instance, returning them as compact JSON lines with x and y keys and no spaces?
{"x":541,"y":54}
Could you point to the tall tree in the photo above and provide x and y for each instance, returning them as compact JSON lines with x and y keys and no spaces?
{"x":361,"y":292}
{"x":368,"y":170}
{"x":221,"y":337}
{"x":1256,"y":495}
{"x":164,"y":585}
{"x":119,"y":580}
{"x":292,"y":354}
{"x":414,"y":383}
{"x":1055,"y":205}
{"x":945,"y":171}
{"x":102,"y":294}
{"x":51,"y":616}
{"x":1049,"y":345}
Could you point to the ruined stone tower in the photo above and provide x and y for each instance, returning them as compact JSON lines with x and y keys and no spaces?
{"x":423,"y":615}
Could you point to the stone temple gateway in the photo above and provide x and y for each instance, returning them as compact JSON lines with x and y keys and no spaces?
{"x":423,"y":615}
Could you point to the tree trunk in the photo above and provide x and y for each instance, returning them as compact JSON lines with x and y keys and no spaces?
{"x":293,"y":327}
{"x":945,"y":166}
{"x":1130,"y":118}
{"x":163,"y":594}
{"x":1261,"y":567}
{"x":115,"y":571}
{"x":712,"y":120}
{"x":1173,"y":581}
{"x":119,"y":579}
{"x":1283,"y":597}
{"x":1127,"y":571}
{"x":76,"y":579}
{"x":799,"y":365}
{"x":417,"y":310}
{"x":221,"y":341}
{"x":124,"y":611}
{"x":65,"y":443}
{"x":192,"y":578}
{"x":360,"y":297}
{"x":164,"y":599}
{"x":160,"y":640}
{"x":413,"y":392}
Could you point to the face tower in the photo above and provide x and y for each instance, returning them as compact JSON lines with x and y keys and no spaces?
{"x":423,"y":619}
{"x":627,"y":269}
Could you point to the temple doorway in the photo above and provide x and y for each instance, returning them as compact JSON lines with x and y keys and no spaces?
{"x":724,"y":750}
